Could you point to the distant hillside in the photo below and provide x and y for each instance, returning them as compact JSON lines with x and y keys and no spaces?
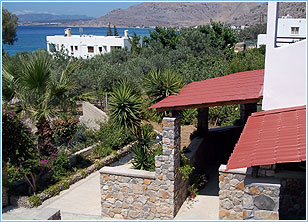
{"x":259,"y":13}
{"x":171,"y":14}
{"x":44,"y":18}
{"x":191,"y":14}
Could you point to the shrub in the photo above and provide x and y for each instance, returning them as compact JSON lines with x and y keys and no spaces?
{"x":64,"y":130}
{"x":223,"y":115}
{"x":189,"y":116}
{"x":19,"y":148}
{"x":35,"y":200}
{"x":113,"y":136}
{"x":60,"y":166}
{"x":185,"y":168}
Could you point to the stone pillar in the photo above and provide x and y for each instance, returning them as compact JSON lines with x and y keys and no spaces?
{"x":167,"y":166}
{"x":246,"y":110}
{"x":203,"y":126}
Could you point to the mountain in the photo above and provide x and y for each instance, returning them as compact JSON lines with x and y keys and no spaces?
{"x":45,"y":18}
{"x":178,"y":14}
{"x":259,"y":13}
{"x":171,"y":14}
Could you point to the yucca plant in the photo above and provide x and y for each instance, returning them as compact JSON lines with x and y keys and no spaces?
{"x":159,"y":85}
{"x":125,"y":108}
{"x":143,"y":156}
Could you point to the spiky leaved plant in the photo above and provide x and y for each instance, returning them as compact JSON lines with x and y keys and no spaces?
{"x":125,"y":108}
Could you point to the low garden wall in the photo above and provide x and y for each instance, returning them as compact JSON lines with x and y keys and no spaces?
{"x":91,"y":115}
{"x":269,"y":196}
{"x":136,"y":194}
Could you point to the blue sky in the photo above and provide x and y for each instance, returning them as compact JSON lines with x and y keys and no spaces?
{"x":92,"y":9}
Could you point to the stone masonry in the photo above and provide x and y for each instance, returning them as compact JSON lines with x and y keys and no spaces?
{"x":136,"y":194}
{"x":244,"y":197}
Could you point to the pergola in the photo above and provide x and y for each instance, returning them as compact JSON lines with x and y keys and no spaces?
{"x":243,"y":88}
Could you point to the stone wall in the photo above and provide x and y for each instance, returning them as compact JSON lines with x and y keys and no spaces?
{"x":130,"y":194}
{"x":136,"y":194}
{"x":244,"y":197}
{"x":292,"y":203}
{"x":91,"y":115}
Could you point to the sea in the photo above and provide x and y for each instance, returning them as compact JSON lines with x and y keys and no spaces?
{"x":31,"y":38}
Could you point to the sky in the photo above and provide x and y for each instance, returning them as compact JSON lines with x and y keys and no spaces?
{"x":91,"y":9}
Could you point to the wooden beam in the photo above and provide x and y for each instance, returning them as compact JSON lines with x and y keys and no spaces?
{"x":206,"y":105}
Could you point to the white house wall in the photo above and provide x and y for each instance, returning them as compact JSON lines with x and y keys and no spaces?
{"x":284,"y":33}
{"x":83,"y":42}
{"x":285,"y":70}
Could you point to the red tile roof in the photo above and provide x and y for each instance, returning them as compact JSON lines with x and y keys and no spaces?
{"x":269,"y":137}
{"x":236,"y":88}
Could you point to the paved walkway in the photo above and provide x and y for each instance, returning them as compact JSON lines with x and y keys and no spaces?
{"x":82,"y":202}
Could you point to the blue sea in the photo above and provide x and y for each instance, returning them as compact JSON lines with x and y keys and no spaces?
{"x":31,"y":38}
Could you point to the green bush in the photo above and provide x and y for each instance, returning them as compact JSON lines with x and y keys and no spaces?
{"x":35,"y":200}
{"x":223,"y":115}
{"x":60,"y":166}
{"x":64,"y":130}
{"x":185,"y":168}
{"x":189,"y":117}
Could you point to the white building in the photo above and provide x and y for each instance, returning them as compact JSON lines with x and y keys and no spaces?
{"x":289,"y":30}
{"x":86,"y":46}
{"x":286,"y":66}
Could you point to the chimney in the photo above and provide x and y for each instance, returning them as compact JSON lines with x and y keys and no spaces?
{"x":125,"y":33}
{"x":67,"y":32}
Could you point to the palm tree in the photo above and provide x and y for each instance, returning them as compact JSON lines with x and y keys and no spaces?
{"x":125,"y":108}
{"x":40,"y":93}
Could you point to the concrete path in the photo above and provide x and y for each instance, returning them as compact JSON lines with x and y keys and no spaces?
{"x":203,"y":207}
{"x":82,"y":202}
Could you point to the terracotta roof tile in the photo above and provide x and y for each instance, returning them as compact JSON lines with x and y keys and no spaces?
{"x":239,"y":86}
{"x":269,"y":137}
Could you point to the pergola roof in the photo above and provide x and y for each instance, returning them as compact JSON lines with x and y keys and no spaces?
{"x":236,"y":88}
{"x":269,"y":137}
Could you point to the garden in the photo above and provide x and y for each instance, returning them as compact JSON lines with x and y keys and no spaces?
{"x":40,"y":126}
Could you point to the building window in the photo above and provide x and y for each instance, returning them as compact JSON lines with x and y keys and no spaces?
{"x":105,"y":48}
{"x":90,"y":49}
{"x":52,"y":47}
{"x":100,"y":49}
{"x":294,"y":30}
{"x":76,"y":47}
{"x":72,"y":48}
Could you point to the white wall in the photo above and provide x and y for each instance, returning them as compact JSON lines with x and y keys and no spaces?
{"x":284,"y":27}
{"x":284,"y":35}
{"x":84,"y":41}
{"x":285,"y":70}
{"x":261,"y":40}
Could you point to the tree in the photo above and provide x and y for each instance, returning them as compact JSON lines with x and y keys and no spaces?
{"x":115,"y":31}
{"x":9,"y":27}
{"x":135,"y":43}
{"x":251,"y":33}
{"x":109,"y":31}
{"x":168,"y":37}
{"x":40,"y":94}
